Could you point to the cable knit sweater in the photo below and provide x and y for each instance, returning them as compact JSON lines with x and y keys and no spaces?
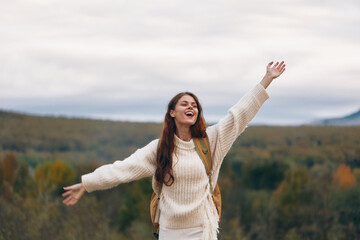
{"x":187,"y":202}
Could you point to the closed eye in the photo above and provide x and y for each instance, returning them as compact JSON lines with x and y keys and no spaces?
{"x":185,"y":103}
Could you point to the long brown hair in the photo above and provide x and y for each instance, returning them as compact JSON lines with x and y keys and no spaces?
{"x":164,"y":160}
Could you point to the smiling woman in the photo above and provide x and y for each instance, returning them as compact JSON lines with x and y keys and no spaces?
{"x":185,"y":106}
{"x":184,"y":119}
{"x":186,"y":208}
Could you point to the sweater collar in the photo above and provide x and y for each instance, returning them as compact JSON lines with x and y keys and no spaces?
{"x":183,"y":144}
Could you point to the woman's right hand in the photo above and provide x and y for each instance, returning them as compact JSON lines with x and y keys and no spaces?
{"x":73,"y":194}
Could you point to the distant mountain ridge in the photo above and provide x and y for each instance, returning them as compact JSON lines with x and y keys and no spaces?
{"x":349,"y":120}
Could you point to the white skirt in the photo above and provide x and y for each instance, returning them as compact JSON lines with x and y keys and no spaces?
{"x":195,"y":233}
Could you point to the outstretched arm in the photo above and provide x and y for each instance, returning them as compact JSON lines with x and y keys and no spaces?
{"x":138,"y":165}
{"x":272,"y":72}
{"x":224,"y":133}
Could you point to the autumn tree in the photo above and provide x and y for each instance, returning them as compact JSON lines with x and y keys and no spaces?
{"x":51,"y":175}
{"x":8,"y":172}
{"x":344,"y":177}
{"x":9,"y":167}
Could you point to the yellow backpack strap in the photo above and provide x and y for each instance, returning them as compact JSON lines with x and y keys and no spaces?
{"x":154,"y":205}
{"x":203,"y":148}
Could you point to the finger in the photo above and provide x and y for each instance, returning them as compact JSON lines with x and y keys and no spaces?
{"x":66,"y":201}
{"x":277,"y":63}
{"x":270,"y":63}
{"x":70,"y":201}
{"x":74,"y":186}
{"x":68,"y":187}
{"x":282,"y":67}
{"x":73,"y":201}
{"x":65,"y":194}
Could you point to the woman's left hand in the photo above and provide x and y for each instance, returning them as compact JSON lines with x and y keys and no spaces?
{"x":276,"y":70}
{"x":272,"y":72}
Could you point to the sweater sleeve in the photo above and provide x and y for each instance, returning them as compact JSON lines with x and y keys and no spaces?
{"x":223,"y":134}
{"x":140,"y":164}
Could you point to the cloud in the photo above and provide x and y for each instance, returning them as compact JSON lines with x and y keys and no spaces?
{"x":111,"y":57}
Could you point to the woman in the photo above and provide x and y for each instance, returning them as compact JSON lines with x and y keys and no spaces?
{"x":186,"y":207}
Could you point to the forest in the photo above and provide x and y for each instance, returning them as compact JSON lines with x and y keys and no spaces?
{"x":291,"y":183}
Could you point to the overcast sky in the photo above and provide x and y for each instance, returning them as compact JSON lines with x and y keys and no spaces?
{"x":124,"y":60}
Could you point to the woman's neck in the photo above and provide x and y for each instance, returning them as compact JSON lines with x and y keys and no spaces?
{"x":184,"y":134}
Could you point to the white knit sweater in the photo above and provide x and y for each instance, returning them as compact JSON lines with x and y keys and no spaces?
{"x":187,"y":202}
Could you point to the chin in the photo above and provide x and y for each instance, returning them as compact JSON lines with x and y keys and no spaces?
{"x":191,"y":124}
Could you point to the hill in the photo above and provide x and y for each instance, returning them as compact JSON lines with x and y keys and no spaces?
{"x":39,"y":138}
{"x":349,"y":120}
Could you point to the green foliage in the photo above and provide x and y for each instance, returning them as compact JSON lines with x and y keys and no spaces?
{"x":264,"y":174}
{"x":277,"y":182}
{"x":136,"y":204}
{"x":345,"y":203}
{"x":292,"y":235}
{"x":293,"y":191}
{"x":35,"y":218}
{"x":52,"y":175}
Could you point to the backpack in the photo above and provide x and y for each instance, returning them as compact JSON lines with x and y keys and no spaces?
{"x":203,"y":149}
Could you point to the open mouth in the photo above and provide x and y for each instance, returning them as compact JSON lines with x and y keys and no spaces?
{"x":189,"y":114}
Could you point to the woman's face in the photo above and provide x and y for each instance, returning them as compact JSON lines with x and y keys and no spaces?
{"x":185,"y":112}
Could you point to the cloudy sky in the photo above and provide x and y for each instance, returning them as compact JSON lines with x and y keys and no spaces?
{"x":124,"y":60}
